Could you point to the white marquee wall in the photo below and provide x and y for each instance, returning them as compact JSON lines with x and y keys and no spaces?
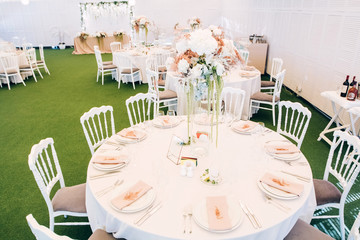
{"x":318,"y":39}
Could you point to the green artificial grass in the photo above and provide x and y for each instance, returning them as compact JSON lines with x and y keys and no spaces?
{"x":52,"y":108}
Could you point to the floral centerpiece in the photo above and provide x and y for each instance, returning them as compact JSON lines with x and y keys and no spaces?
{"x":194,"y":23}
{"x":100,"y":36}
{"x":83,"y":35}
{"x":119,"y":35}
{"x":203,"y":57}
{"x":141,"y":22}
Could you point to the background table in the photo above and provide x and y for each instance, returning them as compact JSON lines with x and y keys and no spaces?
{"x":22,"y":61}
{"x":241,"y":161}
{"x":250,"y":85}
{"x":87,"y":46}
{"x":338,"y":104}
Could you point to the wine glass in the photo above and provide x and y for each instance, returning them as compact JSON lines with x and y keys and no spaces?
{"x":171,"y":113}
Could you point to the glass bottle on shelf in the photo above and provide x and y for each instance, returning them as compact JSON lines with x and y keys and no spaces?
{"x":345,"y":87}
{"x":353,"y":92}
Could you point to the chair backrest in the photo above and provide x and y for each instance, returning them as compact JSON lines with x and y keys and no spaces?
{"x":278,"y":84}
{"x":161,"y":57}
{"x":276,"y":67}
{"x":98,"y":57}
{"x":139,"y":107}
{"x":152,"y":77}
{"x":244,"y":54}
{"x":234,"y":101}
{"x":31,"y":56}
{"x":343,"y":161}
{"x":44,"y":164}
{"x":96,"y":126}
{"x":9,"y":63}
{"x":41,"y":232}
{"x":41,"y":50}
{"x":293,"y":121}
{"x":115,"y":46}
{"x":151,"y":63}
{"x":354,"y":232}
{"x":123,"y":62}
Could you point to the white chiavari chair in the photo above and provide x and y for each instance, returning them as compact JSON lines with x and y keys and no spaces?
{"x":41,"y":63}
{"x":293,"y":121}
{"x":139,"y":107}
{"x":32,"y":64}
{"x":244,"y":54}
{"x":107,"y":69}
{"x":343,"y":165}
{"x":127,"y":69}
{"x":96,"y":127}
{"x":269,"y":99}
{"x":44,"y":164}
{"x":276,"y":67}
{"x":10,"y":68}
{"x":115,"y":46}
{"x":233,"y":99}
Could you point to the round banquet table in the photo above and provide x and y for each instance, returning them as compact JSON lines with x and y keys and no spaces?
{"x":241,"y":161}
{"x":138,"y":57}
{"x":250,"y":82}
{"x":22,"y":61}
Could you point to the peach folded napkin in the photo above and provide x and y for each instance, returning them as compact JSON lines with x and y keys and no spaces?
{"x":218,"y":213}
{"x":166,"y":120}
{"x":131,"y":133}
{"x":282,"y":149}
{"x":110,"y":159}
{"x":245,"y":126}
{"x":282,"y":184}
{"x":131,"y":195}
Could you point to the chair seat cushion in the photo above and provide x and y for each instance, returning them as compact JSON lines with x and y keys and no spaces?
{"x":107,"y":67}
{"x":162,"y":69}
{"x":70,"y":199}
{"x":128,"y":70}
{"x":100,"y":234}
{"x":267,"y":84}
{"x":326,"y":192}
{"x":167,"y":94}
{"x":304,"y":231}
{"x":260,"y":96}
{"x":26,"y":66}
{"x":107,"y":63}
{"x":40,"y":61}
{"x":9,"y":71}
{"x":161,"y":82}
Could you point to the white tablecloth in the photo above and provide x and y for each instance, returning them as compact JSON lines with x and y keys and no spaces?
{"x":139,"y":56}
{"x":22,"y":61}
{"x":250,"y":85}
{"x":241,"y":162}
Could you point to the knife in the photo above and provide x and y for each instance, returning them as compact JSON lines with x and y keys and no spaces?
{"x":149,"y":214}
{"x":248,"y":215}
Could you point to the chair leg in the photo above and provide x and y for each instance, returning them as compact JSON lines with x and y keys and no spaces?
{"x":46,"y":69}
{"x":342,"y":224}
{"x":34,"y":75}
{"x":132,"y":79}
{"x":97,"y":76}
{"x":22,"y":80}
{"x":273,"y":114}
{"x":8,"y":82}
{"x":119,"y":79}
{"x":51,"y":223}
{"x":102,"y":78}
{"x":39,"y":72}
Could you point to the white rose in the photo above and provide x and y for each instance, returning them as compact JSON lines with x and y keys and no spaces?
{"x":220,"y":69}
{"x":196,"y":71}
{"x":182,"y":46}
{"x":217,"y":32}
{"x":183,"y":66}
{"x":202,"y":42}
{"x":142,"y":21}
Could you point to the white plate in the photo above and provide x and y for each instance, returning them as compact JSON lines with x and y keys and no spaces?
{"x":145,"y":201}
{"x":174,"y":121}
{"x":236,"y":215}
{"x":249,"y":132}
{"x":121,"y":139}
{"x":285,"y":157}
{"x":205,"y":119}
{"x":112,"y":167}
{"x":276,"y":193}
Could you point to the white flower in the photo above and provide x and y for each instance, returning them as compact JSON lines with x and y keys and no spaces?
{"x":202,"y":42}
{"x":215,"y":30}
{"x":182,"y":46}
{"x":142,"y":21}
{"x":183,"y":66}
{"x":196,"y":71}
{"x":228,"y":48}
{"x":220,"y":69}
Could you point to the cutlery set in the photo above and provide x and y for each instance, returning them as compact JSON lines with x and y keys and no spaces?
{"x":187,"y":213}
{"x":104,"y":175}
{"x":104,"y":191}
{"x":149,"y":212}
{"x":302,"y":178}
{"x":277,"y":204}
{"x":251,"y":216}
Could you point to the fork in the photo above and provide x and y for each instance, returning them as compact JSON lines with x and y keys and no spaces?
{"x":185,"y":216}
{"x":189,"y":213}
{"x":292,"y":163}
{"x":110,"y":188}
{"x":277,"y":204}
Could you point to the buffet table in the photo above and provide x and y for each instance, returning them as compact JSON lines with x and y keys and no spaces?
{"x":240,"y":159}
{"x":87,"y":46}
{"x":249,"y":81}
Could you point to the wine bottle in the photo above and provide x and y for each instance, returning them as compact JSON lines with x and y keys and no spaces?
{"x":352,"y":94}
{"x":345,"y":87}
